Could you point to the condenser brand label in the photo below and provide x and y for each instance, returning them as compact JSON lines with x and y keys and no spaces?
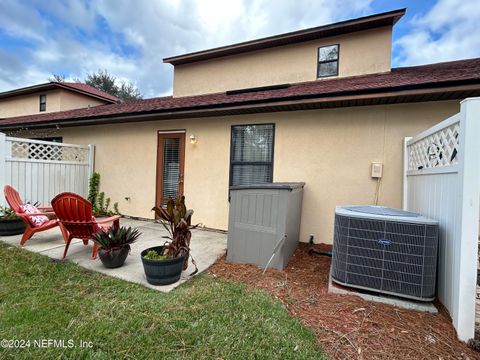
{"x":384,"y":242}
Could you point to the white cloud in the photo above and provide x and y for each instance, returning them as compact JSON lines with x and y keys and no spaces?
{"x":164,"y":29}
{"x":22,"y":21}
{"x":153,"y":29}
{"x":13,"y":73}
{"x":448,"y":31}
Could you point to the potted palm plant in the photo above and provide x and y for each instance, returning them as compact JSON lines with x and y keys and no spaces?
{"x":10,"y":224}
{"x":163,"y":264}
{"x":114,"y":244}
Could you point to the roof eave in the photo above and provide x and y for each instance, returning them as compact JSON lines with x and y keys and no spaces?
{"x":53,"y":85}
{"x":378,"y":98}
{"x":27,"y":90}
{"x":343,"y":27}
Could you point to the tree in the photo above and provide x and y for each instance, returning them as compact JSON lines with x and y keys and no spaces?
{"x":127,"y":91}
{"x":104,"y":81}
{"x":57,"y":78}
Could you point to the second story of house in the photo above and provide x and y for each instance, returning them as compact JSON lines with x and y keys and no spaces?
{"x":349,"y":48}
{"x":51,"y":97}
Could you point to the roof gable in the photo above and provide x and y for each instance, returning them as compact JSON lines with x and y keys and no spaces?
{"x":339,"y":28}
{"x":80,"y":88}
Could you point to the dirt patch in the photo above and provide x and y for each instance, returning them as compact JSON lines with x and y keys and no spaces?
{"x":348,"y":326}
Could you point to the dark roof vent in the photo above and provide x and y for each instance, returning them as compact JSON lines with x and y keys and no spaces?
{"x":256,"y":89}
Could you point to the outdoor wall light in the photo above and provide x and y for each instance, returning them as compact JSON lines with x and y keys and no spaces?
{"x":193,"y":139}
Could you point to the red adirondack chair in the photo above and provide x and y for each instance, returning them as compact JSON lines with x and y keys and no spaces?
{"x":13,"y":199}
{"x":75,"y":215}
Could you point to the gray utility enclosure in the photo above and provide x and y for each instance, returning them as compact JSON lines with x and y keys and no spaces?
{"x":264,"y":223}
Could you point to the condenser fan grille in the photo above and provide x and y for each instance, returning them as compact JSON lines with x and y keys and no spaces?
{"x":386,"y":256}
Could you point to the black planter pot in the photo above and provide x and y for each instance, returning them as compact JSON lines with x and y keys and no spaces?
{"x":114,"y":258}
{"x":11,"y":227}
{"x":162,"y":272}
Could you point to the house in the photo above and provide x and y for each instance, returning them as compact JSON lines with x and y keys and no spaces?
{"x":318,"y":105}
{"x":51,"y":97}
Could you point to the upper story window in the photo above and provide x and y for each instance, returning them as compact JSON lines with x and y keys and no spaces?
{"x":43,"y":102}
{"x":251,"y":154}
{"x":328,"y":61}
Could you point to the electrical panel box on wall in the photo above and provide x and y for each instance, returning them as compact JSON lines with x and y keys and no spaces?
{"x":377,"y":170}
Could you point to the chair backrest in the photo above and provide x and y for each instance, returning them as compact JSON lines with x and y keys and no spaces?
{"x":13,"y":199}
{"x":75,"y":214}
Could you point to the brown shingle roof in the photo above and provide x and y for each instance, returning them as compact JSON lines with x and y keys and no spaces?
{"x":90,"y":90}
{"x":442,"y":78}
{"x":76,"y":87}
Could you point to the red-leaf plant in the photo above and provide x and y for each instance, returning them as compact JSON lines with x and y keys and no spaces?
{"x":176,"y":219}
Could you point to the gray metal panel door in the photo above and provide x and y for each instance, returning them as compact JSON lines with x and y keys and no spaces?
{"x":262,"y":217}
{"x":253,"y":225}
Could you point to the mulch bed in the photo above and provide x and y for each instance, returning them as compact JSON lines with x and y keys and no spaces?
{"x":347,"y":326}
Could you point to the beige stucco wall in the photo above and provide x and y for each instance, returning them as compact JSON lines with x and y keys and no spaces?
{"x":29,"y":104}
{"x":70,"y":100}
{"x":363,"y":52}
{"x":57,"y":100}
{"x":331,"y":150}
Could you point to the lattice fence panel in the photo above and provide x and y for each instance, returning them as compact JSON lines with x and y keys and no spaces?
{"x":48,"y":152}
{"x":39,"y":169}
{"x":436,"y":150}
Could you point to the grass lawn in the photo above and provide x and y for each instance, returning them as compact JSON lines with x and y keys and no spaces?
{"x":204,"y":318}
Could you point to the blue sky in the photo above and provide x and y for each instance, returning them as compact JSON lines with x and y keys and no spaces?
{"x":129,"y":38}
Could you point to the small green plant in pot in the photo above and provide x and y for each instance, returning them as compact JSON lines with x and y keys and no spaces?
{"x":163,"y":264}
{"x":10,"y":224}
{"x":114,"y":244}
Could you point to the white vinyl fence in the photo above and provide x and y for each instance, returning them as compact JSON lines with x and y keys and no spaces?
{"x":39,"y":170}
{"x":442,"y":181}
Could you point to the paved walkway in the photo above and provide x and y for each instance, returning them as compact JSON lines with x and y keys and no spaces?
{"x":206,"y":247}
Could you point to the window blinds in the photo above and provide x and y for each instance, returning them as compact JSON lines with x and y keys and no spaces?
{"x":171,"y":168}
{"x":251,"y":154}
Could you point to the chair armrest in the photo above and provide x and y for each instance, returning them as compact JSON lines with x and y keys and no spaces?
{"x":45,"y":208}
{"x":109,"y":219}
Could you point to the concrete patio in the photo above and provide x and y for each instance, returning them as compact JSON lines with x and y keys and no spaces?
{"x":206,"y":247}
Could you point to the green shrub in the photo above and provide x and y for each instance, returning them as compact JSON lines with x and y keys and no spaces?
{"x":94,"y":188}
{"x":100,"y":204}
